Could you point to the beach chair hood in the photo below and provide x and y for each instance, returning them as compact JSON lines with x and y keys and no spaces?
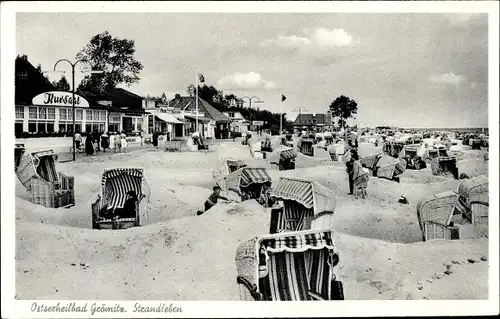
{"x":308,"y":258}
{"x":282,"y":153}
{"x":117,"y":182}
{"x":226,"y":166}
{"x":310,"y":194}
{"x":30,"y":167}
{"x":474,"y":190}
{"x":243,"y":177}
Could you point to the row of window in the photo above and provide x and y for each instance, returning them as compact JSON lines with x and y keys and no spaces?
{"x":48,"y":127}
{"x":49,"y":113}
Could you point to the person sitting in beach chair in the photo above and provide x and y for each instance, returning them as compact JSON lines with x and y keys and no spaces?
{"x":265,"y":195}
{"x":212,"y":199}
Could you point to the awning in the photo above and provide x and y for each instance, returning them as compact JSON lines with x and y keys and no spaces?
{"x":200,"y":118}
{"x":299,"y":242}
{"x":287,"y":154}
{"x":168,"y":118}
{"x":299,"y":191}
{"x":254,"y":176}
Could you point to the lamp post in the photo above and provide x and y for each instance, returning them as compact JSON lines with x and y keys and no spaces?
{"x":251,"y":98}
{"x":73,"y":92}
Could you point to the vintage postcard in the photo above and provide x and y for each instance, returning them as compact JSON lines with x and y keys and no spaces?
{"x":206,"y":159}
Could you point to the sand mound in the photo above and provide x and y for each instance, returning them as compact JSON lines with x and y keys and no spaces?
{"x":473,"y":167}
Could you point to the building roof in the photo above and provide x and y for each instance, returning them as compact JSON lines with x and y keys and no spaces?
{"x":189,"y":103}
{"x":120,"y":98}
{"x":29,"y":82}
{"x":311,"y":119}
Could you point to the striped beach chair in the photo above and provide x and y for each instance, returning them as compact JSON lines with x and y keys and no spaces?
{"x":305,"y":205}
{"x":49,"y":188}
{"x":244,"y":184}
{"x":445,"y":166}
{"x":284,"y":158}
{"x":115,"y":185}
{"x":294,"y":266}
{"x":473,"y":200}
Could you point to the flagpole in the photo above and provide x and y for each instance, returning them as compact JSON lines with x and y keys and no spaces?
{"x":281,"y":117}
{"x":197,"y":130}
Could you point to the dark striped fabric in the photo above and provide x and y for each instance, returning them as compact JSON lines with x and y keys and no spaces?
{"x":254,"y":176}
{"x":116,"y":183}
{"x":297,"y":264}
{"x":461,"y":206}
{"x":297,"y":190}
{"x":287,"y":154}
{"x":293,"y":216}
{"x":398,"y":169}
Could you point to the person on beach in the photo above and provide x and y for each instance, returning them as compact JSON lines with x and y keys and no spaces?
{"x":112,"y":144}
{"x":265,"y":195}
{"x":118,"y":142}
{"x":196,"y":138}
{"x":350,"y":169}
{"x":89,"y":147}
{"x":212,"y":199}
{"x":155,"y":139}
{"x":123,"y":138}
{"x":104,"y":141}
{"x":78,"y":141}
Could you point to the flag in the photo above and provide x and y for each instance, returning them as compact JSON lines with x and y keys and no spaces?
{"x":202,"y":78}
{"x":283,"y":98}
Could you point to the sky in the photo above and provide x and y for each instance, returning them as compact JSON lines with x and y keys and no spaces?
{"x":403,"y":69}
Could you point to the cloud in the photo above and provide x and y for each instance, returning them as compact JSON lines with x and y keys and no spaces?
{"x":473,"y":85}
{"x":448,"y":78}
{"x":250,"y":80}
{"x":318,"y":37}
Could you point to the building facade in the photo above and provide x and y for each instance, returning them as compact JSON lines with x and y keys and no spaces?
{"x":41,"y":110}
{"x":317,"y":122}
{"x":238,"y":122}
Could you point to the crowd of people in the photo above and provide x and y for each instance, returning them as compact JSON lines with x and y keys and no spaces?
{"x":97,"y":142}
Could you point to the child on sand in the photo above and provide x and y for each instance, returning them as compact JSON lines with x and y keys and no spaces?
{"x":212,"y":199}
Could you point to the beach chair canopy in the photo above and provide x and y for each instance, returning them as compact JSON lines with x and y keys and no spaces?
{"x":40,"y":164}
{"x":117,"y":182}
{"x":282,"y":153}
{"x":474,"y":189}
{"x":226,"y":166}
{"x":245,"y":177}
{"x":286,"y":266}
{"x":310,"y":194}
{"x":437,"y":208}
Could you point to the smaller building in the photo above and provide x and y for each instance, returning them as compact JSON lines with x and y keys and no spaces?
{"x":316,"y":122}
{"x":238,"y":122}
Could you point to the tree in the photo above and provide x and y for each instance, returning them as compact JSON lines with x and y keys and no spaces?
{"x":343,"y":108}
{"x":62,"y":84}
{"x":115,"y":57}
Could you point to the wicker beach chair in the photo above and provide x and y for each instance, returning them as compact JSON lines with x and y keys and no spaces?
{"x":393,"y":148}
{"x":227,"y":166}
{"x":306,"y":146}
{"x":19,"y":150}
{"x":37,"y":172}
{"x":244,"y":184}
{"x":284,"y":158}
{"x":266,"y":145}
{"x":384,"y":166}
{"x":445,"y":166}
{"x":305,"y":205}
{"x":473,"y":200}
{"x":115,"y":185}
{"x":292,"y":266}
{"x":434,"y":215}
{"x":410,"y":154}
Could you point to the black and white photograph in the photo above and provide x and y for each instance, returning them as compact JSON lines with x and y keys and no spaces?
{"x":226,"y":153}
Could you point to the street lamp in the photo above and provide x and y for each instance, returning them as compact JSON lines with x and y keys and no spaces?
{"x":251,"y":98}
{"x":73,"y":91}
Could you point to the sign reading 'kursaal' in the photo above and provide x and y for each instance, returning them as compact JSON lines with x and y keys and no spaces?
{"x":59,"y":98}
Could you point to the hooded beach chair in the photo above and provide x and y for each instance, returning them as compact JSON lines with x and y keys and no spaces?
{"x":411,"y":155}
{"x":473,"y":200}
{"x":306,"y":146}
{"x":384,"y":166}
{"x":305,"y":205}
{"x":337,"y":150}
{"x":328,"y":138}
{"x":435,"y":213}
{"x":37,"y":172}
{"x":434,"y":152}
{"x":227,"y":166}
{"x":266,"y":145}
{"x":444,"y":166}
{"x":115,"y":185}
{"x":19,"y":150}
{"x":284,"y":158}
{"x":294,"y":266}
{"x":244,"y":184}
